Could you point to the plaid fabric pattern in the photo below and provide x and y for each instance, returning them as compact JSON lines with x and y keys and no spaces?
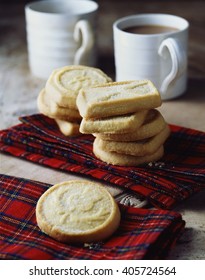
{"x":176,"y":177}
{"x":142,"y":234}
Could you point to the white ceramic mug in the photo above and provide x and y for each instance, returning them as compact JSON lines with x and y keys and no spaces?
{"x":59,"y":33}
{"x":160,"y":57}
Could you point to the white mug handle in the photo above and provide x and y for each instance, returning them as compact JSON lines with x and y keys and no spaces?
{"x":83,"y":33}
{"x":178,"y":59}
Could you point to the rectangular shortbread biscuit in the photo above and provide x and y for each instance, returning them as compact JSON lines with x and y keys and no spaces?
{"x":137,"y":148}
{"x":116,"y":124}
{"x":117,"y":98}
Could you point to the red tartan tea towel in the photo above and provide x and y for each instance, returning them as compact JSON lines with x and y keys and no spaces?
{"x":142,"y":234}
{"x":178,"y":175}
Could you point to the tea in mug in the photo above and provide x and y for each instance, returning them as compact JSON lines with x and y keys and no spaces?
{"x":150,"y":29}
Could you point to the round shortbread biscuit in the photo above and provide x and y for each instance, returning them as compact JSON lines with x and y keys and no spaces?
{"x":49,"y":108}
{"x":65,"y":83}
{"x":68,"y":128}
{"x":123,"y":159}
{"x":154,"y":123}
{"x":77,"y":211}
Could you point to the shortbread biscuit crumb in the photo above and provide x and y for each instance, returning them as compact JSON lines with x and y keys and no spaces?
{"x":78,"y":211}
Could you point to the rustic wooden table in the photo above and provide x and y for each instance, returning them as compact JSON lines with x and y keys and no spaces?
{"x":19,"y":90}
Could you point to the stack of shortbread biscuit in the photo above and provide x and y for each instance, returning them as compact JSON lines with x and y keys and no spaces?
{"x":129,"y":130}
{"x":58,"y":99}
